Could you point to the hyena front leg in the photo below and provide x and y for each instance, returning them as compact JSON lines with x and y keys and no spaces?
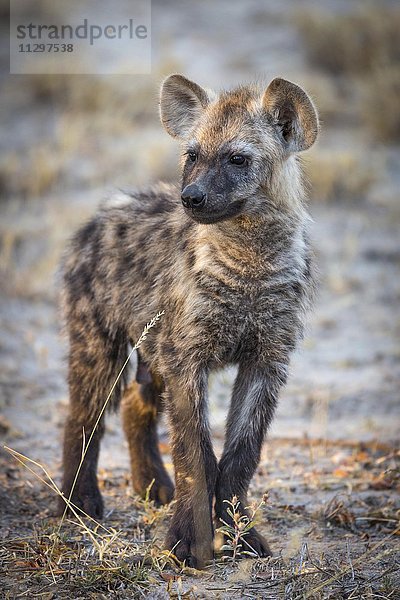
{"x":253,"y":402}
{"x":95,"y":358}
{"x":140,"y":407}
{"x":190,"y":534}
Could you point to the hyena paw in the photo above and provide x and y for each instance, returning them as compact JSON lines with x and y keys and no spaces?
{"x":181,"y":541}
{"x":255,"y":543}
{"x":88,"y":502}
{"x":161,"y":491}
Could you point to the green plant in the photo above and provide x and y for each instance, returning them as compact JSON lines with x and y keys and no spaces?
{"x":241,"y":523}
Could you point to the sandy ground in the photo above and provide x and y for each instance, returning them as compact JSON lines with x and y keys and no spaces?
{"x":330,"y":462}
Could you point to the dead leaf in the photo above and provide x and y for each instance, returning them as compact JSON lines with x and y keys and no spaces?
{"x":382,"y":482}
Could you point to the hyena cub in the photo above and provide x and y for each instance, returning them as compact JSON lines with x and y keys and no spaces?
{"x":228,"y":260}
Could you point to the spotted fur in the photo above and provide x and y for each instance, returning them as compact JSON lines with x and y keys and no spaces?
{"x":234,"y":279}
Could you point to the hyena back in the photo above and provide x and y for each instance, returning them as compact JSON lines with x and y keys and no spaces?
{"x":229,"y":262}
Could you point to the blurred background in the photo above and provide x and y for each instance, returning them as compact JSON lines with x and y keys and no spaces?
{"x":68,"y":140}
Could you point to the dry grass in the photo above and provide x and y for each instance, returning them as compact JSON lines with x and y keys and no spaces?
{"x":354,"y":42}
{"x":380,"y":109}
{"x":347,"y":549}
{"x":340,"y":175}
{"x":101,"y":105}
{"x":96,"y":132}
{"x":68,"y":562}
{"x":357,"y":55}
{"x":32,"y":173}
{"x":75,"y":571}
{"x":320,"y":577}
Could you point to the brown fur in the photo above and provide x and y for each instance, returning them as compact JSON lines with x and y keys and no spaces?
{"x":233,"y":273}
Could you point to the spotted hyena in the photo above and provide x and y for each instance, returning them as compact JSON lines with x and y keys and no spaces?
{"x":227,"y":258}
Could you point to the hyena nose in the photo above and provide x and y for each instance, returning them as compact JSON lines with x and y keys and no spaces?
{"x":193,"y":197}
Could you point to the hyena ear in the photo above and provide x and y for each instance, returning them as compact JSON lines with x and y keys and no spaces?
{"x":293,"y":113}
{"x":181,"y":103}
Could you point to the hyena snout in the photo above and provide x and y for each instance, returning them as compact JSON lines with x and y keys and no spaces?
{"x":205,"y":204}
{"x":193,"y":197}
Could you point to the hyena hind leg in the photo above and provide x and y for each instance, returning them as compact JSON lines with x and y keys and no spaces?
{"x":85,"y":494}
{"x":140,"y":408}
{"x":95,"y":360}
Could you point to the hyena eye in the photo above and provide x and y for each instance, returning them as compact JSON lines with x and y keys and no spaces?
{"x":237,"y":159}
{"x":192,"y":156}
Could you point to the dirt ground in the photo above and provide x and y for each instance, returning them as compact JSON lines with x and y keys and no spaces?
{"x":330,"y":463}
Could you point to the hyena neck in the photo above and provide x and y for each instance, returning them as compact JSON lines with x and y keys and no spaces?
{"x":250,"y":248}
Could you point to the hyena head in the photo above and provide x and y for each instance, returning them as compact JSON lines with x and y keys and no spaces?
{"x":235,"y":142}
